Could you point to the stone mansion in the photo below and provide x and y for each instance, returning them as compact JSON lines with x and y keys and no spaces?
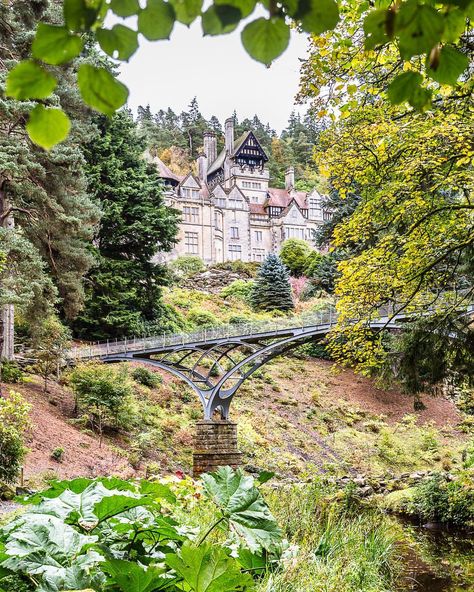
{"x":228,"y":210}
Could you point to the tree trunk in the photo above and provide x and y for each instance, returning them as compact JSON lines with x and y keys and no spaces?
{"x":7,"y":316}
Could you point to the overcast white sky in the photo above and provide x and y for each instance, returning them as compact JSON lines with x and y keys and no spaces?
{"x":216,"y":70}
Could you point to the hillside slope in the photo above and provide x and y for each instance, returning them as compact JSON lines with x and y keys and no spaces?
{"x":297,"y":417}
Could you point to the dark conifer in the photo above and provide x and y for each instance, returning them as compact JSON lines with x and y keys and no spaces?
{"x":272,"y":290}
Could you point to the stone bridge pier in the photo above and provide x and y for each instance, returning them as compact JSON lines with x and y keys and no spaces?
{"x":215,"y":445}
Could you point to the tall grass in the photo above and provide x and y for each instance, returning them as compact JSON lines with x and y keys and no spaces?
{"x":341,"y":548}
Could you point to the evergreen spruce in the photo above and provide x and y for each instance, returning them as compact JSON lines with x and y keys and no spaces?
{"x":272,"y":290}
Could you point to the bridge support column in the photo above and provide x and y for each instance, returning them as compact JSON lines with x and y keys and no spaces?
{"x":215,"y":445}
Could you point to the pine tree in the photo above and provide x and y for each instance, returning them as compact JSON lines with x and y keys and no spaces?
{"x":272,"y":290}
{"x":124,"y":289}
{"x":44,"y":206}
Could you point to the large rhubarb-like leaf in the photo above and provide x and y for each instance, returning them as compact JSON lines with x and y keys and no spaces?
{"x":243,"y":505}
{"x":208,"y":569}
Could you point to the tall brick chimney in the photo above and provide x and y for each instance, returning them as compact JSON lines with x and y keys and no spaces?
{"x":210,"y":147}
{"x":290,"y":178}
{"x":229,"y":135}
{"x":202,"y":167}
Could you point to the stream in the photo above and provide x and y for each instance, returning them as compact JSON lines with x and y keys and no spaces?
{"x":439,"y":559}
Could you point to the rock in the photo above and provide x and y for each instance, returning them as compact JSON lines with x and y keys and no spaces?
{"x":359,"y":480}
{"x":7,"y":493}
{"x":366,"y":491}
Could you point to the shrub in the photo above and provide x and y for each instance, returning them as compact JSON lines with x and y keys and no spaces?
{"x":441,"y":499}
{"x":240,"y":289}
{"x":104,"y":393}
{"x":50,"y":341}
{"x":187,"y":265}
{"x":13,"y":424}
{"x":86,"y":537}
{"x":10,"y":372}
{"x":294,"y":253}
{"x":169,"y":320}
{"x":146,"y":377}
{"x":238,"y":320}
{"x":57,"y":454}
{"x":247,"y":268}
{"x":202,"y":318}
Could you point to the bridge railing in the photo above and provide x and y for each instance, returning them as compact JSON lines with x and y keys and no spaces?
{"x":326,"y":316}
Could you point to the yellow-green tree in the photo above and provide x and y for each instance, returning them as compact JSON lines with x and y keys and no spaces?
{"x":411,"y":235}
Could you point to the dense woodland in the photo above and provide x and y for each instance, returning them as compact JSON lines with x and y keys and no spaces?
{"x":177,"y":139}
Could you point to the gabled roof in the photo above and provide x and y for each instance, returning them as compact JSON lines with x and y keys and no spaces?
{"x":163,"y":171}
{"x":241,"y":141}
{"x":238,"y":145}
{"x":281,"y":198}
{"x":191,"y":176}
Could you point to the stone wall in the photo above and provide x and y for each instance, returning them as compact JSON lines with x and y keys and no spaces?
{"x":215,"y":445}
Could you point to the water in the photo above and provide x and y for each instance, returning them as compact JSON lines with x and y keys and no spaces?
{"x":439,"y":559}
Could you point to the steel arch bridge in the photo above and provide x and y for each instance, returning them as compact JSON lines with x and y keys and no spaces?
{"x":215,"y":362}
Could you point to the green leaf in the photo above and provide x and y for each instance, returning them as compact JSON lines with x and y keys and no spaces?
{"x":407,"y":87}
{"x":100,"y":90}
{"x":401,"y":88}
{"x":208,"y":568}
{"x":251,"y":561}
{"x":243,"y":505}
{"x":132,"y":577}
{"x":375,"y":28}
{"x":265,"y":476}
{"x":266,"y":39}
{"x":80,"y":15}
{"x":157,"y":490}
{"x":419,"y":26}
{"x":47,"y":127}
{"x":246,"y":7}
{"x":317,"y":16}
{"x":117,"y":504}
{"x":187,"y":10}
{"x":451,"y":63}
{"x":92,"y":505}
{"x":156,"y":21}
{"x":28,"y":80}
{"x":120,"y":42}
{"x":454,"y":25}
{"x":55,"y":45}
{"x":219,"y":20}
{"x":125,"y":8}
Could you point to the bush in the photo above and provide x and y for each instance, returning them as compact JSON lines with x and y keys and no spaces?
{"x":294,"y":253}
{"x":10,"y":372}
{"x":104,"y":393}
{"x":202,"y":318}
{"x":247,"y":268}
{"x":146,"y":377}
{"x":57,"y":454}
{"x":13,"y":424}
{"x":169,"y":320}
{"x":87,"y":537}
{"x":240,"y":289}
{"x":441,"y":499}
{"x":187,"y":265}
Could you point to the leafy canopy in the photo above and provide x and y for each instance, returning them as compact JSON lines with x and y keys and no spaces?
{"x":426,"y":37}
